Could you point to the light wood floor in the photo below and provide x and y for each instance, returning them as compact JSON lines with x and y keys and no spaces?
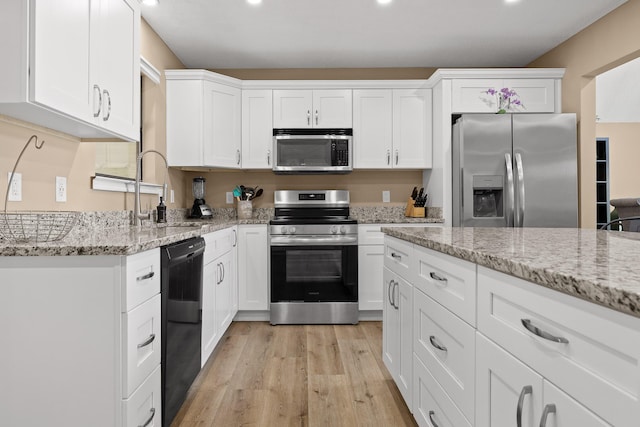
{"x":289,"y":375}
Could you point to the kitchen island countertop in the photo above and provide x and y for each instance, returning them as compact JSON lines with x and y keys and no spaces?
{"x":595,"y":265}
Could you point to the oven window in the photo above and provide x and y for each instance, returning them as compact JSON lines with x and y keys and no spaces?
{"x":304,"y":152}
{"x":314,"y":266}
{"x":309,"y":274}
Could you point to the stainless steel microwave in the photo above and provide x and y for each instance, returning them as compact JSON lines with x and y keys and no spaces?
{"x":298,"y":151}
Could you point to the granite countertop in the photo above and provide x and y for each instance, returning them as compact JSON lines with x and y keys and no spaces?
{"x":598,"y":266}
{"x":108,"y":233}
{"x":121,"y":240}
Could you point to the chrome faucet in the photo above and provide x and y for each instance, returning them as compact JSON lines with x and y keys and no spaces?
{"x":138,"y":216}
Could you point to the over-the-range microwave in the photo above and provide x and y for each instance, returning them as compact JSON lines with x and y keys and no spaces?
{"x":298,"y":151}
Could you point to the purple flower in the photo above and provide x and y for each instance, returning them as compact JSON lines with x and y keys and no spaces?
{"x":505,"y":97}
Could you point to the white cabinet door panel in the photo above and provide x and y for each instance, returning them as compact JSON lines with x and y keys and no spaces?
{"x":370,"y":265}
{"x":142,"y":343}
{"x":257,"y":129}
{"x":144,"y":407}
{"x":372,"y":128}
{"x":292,"y":109}
{"x":332,"y":109}
{"x":412,"y":137}
{"x":253,"y":267}
{"x":446,"y":346}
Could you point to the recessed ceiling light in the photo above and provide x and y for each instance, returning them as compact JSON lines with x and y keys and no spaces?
{"x":150,"y":2}
{"x":511,"y":1}
{"x":384,"y":1}
{"x":254,"y":1}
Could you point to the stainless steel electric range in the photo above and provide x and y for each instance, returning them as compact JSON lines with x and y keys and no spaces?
{"x":314,"y":258}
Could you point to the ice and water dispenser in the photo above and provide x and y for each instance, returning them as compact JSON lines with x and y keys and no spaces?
{"x":487,"y":196}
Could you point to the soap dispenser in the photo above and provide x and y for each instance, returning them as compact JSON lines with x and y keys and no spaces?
{"x":161,"y":211}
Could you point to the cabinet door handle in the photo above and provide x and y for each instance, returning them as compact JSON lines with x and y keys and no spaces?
{"x":434,"y":342}
{"x":525,"y":390}
{"x":396,"y":157}
{"x":308,"y":117}
{"x":548,"y":409}
{"x":108,"y":96}
{"x":269,"y":157}
{"x":145,"y":277}
{"x":222,"y":266}
{"x":238,"y":157}
{"x":542,"y":334}
{"x":437,"y":277}
{"x":316,"y":117}
{"x":219,"y":278}
{"x":396,"y":285}
{"x":97,"y":113}
{"x":433,"y":422}
{"x":235,"y":237}
{"x":147,"y":341}
{"x":396,"y":256}
{"x":152,"y":414}
{"x":389,"y":294}
{"x":388,"y":157}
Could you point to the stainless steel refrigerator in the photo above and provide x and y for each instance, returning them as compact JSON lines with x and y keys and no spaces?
{"x":515,"y":170}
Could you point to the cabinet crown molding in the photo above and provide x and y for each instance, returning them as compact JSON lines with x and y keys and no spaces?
{"x":496,"y":73}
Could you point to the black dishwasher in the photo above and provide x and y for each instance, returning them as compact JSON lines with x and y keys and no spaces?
{"x":181,"y":321}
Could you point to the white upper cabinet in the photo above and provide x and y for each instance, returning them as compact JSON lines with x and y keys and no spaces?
{"x":257,"y":128}
{"x":117,"y":72}
{"x":536,"y":95}
{"x":392,"y":128}
{"x":203,"y":119}
{"x":75,"y":65}
{"x":299,"y":109}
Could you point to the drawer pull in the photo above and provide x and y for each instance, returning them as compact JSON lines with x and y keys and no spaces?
{"x":431,"y":414}
{"x":525,"y":390}
{"x":146,"y":423}
{"x":435,"y":276}
{"x":548,"y":409}
{"x":434,"y":343}
{"x":145,"y":277}
{"x":395,"y":255}
{"x":542,"y":334}
{"x":147,"y":341}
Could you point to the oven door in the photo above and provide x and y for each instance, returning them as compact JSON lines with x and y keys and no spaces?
{"x":317,"y":273}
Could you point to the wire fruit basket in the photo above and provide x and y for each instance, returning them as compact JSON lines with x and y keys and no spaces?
{"x":34,"y":226}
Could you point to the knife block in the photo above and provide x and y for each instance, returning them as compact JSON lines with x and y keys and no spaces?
{"x":413,"y":212}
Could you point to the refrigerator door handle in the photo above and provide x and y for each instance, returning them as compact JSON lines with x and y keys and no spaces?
{"x":520,"y":189}
{"x":509,"y":208}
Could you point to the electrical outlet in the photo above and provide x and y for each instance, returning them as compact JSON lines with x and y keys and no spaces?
{"x":229,"y":197}
{"x":15,"y":191}
{"x":386,"y":196}
{"x":172,"y":197}
{"x":61,"y":189}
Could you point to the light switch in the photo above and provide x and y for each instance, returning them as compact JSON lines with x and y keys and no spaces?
{"x":229,"y":197}
{"x":386,"y":196}
{"x":15,"y":191}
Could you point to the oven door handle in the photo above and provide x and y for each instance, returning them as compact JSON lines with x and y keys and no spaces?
{"x":314,"y":240}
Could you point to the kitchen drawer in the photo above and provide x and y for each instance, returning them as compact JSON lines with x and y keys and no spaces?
{"x":599,"y":366}
{"x":370,"y":234}
{"x":431,"y":405}
{"x":141,"y":344}
{"x":453,"y":366}
{"x":448,"y":280}
{"x":142,"y":278}
{"x":219,"y":243}
{"x":144,"y":407}
{"x":399,"y":258}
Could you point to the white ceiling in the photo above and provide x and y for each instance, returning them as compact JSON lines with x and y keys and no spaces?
{"x":364,"y":34}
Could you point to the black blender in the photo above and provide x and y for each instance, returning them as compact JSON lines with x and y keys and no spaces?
{"x":200,"y":209}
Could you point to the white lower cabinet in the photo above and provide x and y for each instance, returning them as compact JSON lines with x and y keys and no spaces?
{"x":505,"y":353}
{"x":253,"y":268}
{"x":219,"y":283}
{"x":84,"y":352}
{"x":397,"y":332}
{"x":370,"y":264}
{"x":510,"y":393}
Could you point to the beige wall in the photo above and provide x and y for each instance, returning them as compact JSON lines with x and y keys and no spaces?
{"x":624,"y":152}
{"x":607,"y":43}
{"x":365,"y":186}
{"x":66,"y":156}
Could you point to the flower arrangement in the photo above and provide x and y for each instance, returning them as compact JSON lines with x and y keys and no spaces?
{"x":506,"y":98}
